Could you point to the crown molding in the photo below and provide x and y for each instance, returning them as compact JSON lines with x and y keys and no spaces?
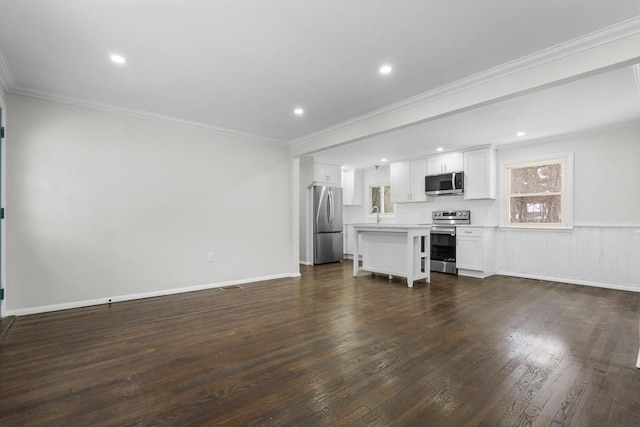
{"x":9,"y":85}
{"x":636,"y":74}
{"x":609,"y":34}
{"x":6,"y":78}
{"x":141,"y":114}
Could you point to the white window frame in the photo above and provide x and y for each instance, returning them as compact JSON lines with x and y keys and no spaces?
{"x":370,"y":202}
{"x":566,"y":160}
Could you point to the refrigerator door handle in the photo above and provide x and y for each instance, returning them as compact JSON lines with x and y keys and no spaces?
{"x":318,"y":209}
{"x":331,"y":208}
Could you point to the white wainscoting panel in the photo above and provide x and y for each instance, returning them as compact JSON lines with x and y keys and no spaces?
{"x":606,"y":256}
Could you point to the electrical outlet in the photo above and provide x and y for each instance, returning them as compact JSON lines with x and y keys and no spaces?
{"x":210,"y":257}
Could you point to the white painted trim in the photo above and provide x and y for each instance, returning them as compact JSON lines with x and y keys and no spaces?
{"x":636,"y":74}
{"x":568,"y":229}
{"x":130,"y":297}
{"x":607,"y":226}
{"x":568,"y":197}
{"x":614,"y":32}
{"x":3,"y":203}
{"x":140,"y":114}
{"x":534,"y":228}
{"x":6,"y":78}
{"x":617,"y":287}
{"x":305,"y":262}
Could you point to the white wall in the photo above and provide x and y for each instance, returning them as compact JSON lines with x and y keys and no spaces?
{"x":606,"y":174}
{"x":104,"y":206}
{"x":603,"y":249}
{"x":306,"y":177}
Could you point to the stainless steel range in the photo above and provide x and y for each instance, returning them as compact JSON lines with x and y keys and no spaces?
{"x":443,"y":239}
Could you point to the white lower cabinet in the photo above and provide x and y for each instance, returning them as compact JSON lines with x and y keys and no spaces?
{"x":475,"y":251}
{"x":349,"y":240}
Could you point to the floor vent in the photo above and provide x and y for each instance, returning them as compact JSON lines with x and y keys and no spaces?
{"x":231,"y":288}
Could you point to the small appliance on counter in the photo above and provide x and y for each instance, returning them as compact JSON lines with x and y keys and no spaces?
{"x":443,"y":239}
{"x":327,"y":224}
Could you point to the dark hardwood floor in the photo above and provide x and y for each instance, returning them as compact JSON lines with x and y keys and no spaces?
{"x":330,"y":349}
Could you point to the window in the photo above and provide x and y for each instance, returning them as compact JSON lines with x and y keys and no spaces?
{"x":381,"y":198}
{"x":538,"y":193}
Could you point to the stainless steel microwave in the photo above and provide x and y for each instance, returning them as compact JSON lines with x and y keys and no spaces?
{"x":444,"y":183}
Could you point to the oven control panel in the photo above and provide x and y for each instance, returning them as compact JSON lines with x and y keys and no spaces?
{"x":462,"y":216}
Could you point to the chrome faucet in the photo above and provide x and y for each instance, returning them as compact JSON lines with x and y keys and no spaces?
{"x":375,"y":209}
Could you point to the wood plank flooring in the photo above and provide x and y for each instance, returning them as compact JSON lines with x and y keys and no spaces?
{"x":330,"y":349}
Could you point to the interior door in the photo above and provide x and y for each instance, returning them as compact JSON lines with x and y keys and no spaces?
{"x":1,"y":208}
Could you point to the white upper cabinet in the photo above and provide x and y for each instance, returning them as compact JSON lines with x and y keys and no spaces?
{"x":329,"y":174}
{"x":451,"y":162}
{"x":480,"y":174}
{"x":407,"y":181}
{"x":352,"y":187}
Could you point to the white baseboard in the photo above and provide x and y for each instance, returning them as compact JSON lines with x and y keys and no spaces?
{"x":130,"y":297}
{"x":305,"y":262}
{"x":615,"y":286}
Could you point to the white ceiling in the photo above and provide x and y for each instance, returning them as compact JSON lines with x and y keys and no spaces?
{"x":242,"y":66}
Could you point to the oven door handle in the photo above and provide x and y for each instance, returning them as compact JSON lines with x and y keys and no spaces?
{"x":451,"y":232}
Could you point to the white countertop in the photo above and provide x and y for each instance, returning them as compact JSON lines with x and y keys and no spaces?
{"x":390,"y":226}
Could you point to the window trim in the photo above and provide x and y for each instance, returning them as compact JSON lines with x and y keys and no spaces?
{"x":567,"y":195}
{"x":370,"y":201}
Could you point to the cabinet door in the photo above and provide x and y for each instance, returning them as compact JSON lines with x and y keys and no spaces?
{"x":480,"y":174}
{"x":400,"y":182}
{"x":443,"y":164}
{"x":434,"y":165}
{"x":350,"y":237}
{"x":352,"y":187}
{"x":453,"y":163}
{"x":328,"y":173}
{"x":469,"y":253}
{"x":418,"y":172}
{"x":348,"y":187}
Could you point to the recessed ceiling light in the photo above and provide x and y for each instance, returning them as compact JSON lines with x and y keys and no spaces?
{"x":385,"y":69}
{"x":298,"y":111}
{"x":439,"y":149}
{"x":383,"y":160}
{"x":521,"y":133}
{"x":118,"y":59}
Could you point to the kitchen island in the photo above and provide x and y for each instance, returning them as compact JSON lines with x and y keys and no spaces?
{"x":393,"y":249}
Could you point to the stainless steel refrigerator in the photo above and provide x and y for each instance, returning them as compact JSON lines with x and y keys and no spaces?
{"x":327,"y":224}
